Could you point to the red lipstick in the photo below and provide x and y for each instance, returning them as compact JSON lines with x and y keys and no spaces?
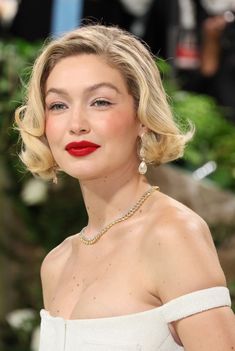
{"x":81,"y":148}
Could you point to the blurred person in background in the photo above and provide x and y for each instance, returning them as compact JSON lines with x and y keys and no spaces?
{"x":8,"y":10}
{"x":155,"y":22}
{"x":205,"y":50}
{"x":151,"y":20}
{"x":144,"y":273}
{"x":218,"y":53}
{"x":36,"y":20}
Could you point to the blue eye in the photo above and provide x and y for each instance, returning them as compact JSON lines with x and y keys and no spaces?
{"x":57,"y":106}
{"x":101,"y":103}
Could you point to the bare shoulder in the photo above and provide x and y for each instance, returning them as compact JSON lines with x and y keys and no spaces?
{"x":171,"y":220}
{"x":52,"y":267}
{"x":56,"y":256}
{"x":180,"y":250}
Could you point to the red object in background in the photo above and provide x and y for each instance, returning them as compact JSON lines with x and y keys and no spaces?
{"x":187,"y":53}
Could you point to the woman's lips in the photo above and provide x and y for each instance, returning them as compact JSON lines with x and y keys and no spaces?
{"x":81,"y":148}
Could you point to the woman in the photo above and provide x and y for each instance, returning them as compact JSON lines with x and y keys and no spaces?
{"x":138,"y":275}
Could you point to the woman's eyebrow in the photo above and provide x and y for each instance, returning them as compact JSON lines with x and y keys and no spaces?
{"x":89,"y":89}
{"x":101,"y":85}
{"x":57,"y":91}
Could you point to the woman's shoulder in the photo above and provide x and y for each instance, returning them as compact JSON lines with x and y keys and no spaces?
{"x":171,"y":226}
{"x":54,"y":261}
{"x":171,"y":216}
{"x":175,"y":227}
{"x":52,"y":267}
{"x":58,"y":253}
{"x":180,"y":251}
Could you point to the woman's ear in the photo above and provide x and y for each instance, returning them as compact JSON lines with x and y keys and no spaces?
{"x":142,"y":130}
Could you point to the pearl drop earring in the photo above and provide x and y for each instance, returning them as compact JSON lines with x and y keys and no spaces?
{"x":54,"y":179}
{"x":142,"y":166}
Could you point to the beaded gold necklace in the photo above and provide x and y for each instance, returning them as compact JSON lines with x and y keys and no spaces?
{"x":128,"y":214}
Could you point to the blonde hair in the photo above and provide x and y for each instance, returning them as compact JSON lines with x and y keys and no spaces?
{"x":164,"y":141}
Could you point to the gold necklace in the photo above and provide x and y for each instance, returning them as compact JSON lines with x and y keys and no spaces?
{"x":130,"y":212}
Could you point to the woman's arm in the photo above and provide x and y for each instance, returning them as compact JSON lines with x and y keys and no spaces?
{"x":212,"y":29}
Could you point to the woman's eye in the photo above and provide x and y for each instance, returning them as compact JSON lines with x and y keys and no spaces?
{"x":101,"y":103}
{"x":57,"y":106}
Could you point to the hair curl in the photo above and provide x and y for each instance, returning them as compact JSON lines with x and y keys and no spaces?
{"x":164,"y":141}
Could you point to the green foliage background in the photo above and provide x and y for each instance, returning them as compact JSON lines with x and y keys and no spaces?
{"x":214,"y":139}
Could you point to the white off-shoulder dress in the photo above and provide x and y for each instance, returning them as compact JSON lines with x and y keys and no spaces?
{"x":142,"y":331}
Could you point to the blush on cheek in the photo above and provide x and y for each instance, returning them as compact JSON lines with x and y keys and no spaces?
{"x":119,"y":126}
{"x":50,"y":129}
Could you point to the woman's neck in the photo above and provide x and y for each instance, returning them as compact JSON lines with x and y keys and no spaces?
{"x":108,"y":198}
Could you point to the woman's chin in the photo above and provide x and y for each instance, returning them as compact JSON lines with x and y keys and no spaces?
{"x":85,"y":175}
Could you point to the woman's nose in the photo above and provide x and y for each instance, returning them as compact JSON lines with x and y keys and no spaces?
{"x":78,"y":123}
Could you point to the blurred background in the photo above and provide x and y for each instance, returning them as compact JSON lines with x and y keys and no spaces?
{"x":194,"y":42}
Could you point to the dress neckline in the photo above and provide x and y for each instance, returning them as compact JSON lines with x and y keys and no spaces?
{"x":174,"y":309}
{"x":47,"y":314}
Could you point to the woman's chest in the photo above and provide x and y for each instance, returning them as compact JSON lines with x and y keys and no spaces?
{"x":96,"y":285}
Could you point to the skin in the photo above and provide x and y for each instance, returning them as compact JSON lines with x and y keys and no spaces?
{"x":163,"y":251}
{"x":213,"y":28}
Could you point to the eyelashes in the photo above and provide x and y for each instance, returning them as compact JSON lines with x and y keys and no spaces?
{"x":60,"y":106}
{"x":101,"y":103}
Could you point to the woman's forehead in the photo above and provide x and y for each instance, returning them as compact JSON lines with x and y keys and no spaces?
{"x":87,"y":70}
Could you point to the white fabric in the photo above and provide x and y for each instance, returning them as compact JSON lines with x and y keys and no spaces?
{"x":195,"y":302}
{"x":143,"y":331}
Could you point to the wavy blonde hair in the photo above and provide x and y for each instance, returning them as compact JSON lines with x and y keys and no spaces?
{"x":164,"y":141}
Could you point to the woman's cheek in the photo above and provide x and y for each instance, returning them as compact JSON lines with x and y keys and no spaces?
{"x":114,"y":126}
{"x":51,"y":129}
